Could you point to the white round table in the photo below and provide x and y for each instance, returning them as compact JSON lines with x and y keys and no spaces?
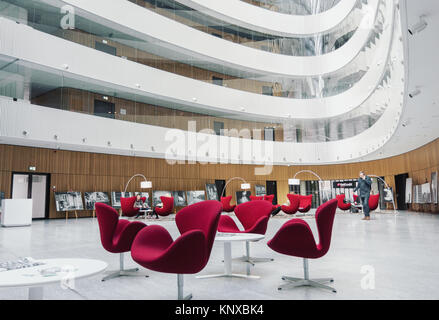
{"x":61,"y":271}
{"x":227,"y":239}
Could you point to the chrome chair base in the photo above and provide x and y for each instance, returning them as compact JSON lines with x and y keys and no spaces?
{"x":306,"y":281}
{"x":298,"y":282}
{"x":180,"y":284}
{"x":253,"y":260}
{"x":122,"y":272}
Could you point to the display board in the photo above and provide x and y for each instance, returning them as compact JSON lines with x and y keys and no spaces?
{"x":156,"y":201}
{"x":242,"y":196}
{"x":434,"y":194}
{"x":195,"y":196}
{"x":211,"y":192}
{"x":115,"y":198}
{"x":260,"y":190}
{"x":409,"y":190}
{"x":91,"y":198}
{"x":179,"y":198}
{"x":68,"y":201}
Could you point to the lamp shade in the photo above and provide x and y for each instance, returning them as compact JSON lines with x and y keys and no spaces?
{"x":245,"y":186}
{"x":146,"y":184}
{"x":294,"y":182}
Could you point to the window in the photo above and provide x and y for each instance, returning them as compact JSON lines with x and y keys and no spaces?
{"x":104,"y":109}
{"x":217,"y":80}
{"x":218,"y":127}
{"x":105,"y":48}
{"x":267,"y":90}
{"x":269,"y":134}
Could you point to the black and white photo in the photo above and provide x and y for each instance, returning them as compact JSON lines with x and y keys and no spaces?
{"x":2,"y":196}
{"x":195,"y":196}
{"x":260,"y":190}
{"x":388,"y":194}
{"x":90,"y":199}
{"x":156,"y":201}
{"x":211,"y":192}
{"x":434,"y":194}
{"x":68,"y":201}
{"x":242,"y":196}
{"x":426,"y":193}
{"x":115,"y":198}
{"x":409,"y":190}
{"x":179,"y":198}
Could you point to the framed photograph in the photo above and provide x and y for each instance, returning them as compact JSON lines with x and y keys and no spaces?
{"x":409,"y":190}
{"x":195,"y":196}
{"x":156,"y":201}
{"x":68,"y":201}
{"x":2,"y":196}
{"x":242,"y":196}
{"x":426,"y":193}
{"x":179,"y":198}
{"x":90,"y":199}
{"x":115,"y":198}
{"x":260,"y":190}
{"x":434,"y":194}
{"x":211,"y":191}
{"x":388,"y":194}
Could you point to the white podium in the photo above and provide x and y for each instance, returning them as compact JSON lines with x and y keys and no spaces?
{"x":16,"y":212}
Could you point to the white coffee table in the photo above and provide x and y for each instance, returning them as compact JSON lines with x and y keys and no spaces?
{"x":70,"y":270}
{"x":227,"y":239}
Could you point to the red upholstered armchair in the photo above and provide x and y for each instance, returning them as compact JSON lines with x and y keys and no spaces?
{"x":168,"y":206}
{"x":117,"y":235}
{"x":127,"y":206}
{"x":155,"y":249}
{"x":305,"y":203}
{"x":254,"y":216}
{"x":374,"y":200}
{"x":294,"y":204}
{"x":340,"y":202}
{"x":252,"y":198}
{"x":225,"y":201}
{"x":270,"y":198}
{"x":296,"y":239}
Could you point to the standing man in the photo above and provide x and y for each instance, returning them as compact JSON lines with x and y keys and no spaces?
{"x":364,"y":184}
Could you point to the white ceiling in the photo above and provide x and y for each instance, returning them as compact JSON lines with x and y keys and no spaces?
{"x":421,"y":113}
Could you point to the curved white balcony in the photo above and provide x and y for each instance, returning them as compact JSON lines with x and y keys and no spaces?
{"x":173,"y":37}
{"x":255,"y":18}
{"x":23,"y":42}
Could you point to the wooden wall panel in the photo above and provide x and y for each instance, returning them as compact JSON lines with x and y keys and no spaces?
{"x":81,"y":171}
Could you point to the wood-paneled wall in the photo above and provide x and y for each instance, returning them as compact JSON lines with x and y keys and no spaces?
{"x":81,"y":171}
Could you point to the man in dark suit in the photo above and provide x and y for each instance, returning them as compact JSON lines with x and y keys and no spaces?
{"x":364,"y":185}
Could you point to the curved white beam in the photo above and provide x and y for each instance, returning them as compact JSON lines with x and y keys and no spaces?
{"x":255,"y":18}
{"x":176,"y":37}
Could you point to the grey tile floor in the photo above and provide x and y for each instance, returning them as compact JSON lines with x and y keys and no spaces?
{"x":399,"y":252}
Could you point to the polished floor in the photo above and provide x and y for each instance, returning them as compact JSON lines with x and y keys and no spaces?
{"x":389,"y":257}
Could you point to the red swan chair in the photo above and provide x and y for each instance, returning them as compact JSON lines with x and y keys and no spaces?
{"x":127,"y":206}
{"x":154,"y":248}
{"x":254,"y":216}
{"x":270,"y":199}
{"x":340,"y":202}
{"x":305,"y":203}
{"x":225,"y":201}
{"x":295,"y":239}
{"x":252,"y":198}
{"x":294,"y":204}
{"x":168,"y":206}
{"x":374,"y":200}
{"x":117,"y":235}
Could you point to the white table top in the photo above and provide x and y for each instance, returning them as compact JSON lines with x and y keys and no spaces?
{"x":228,"y":237}
{"x":69,"y":268}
